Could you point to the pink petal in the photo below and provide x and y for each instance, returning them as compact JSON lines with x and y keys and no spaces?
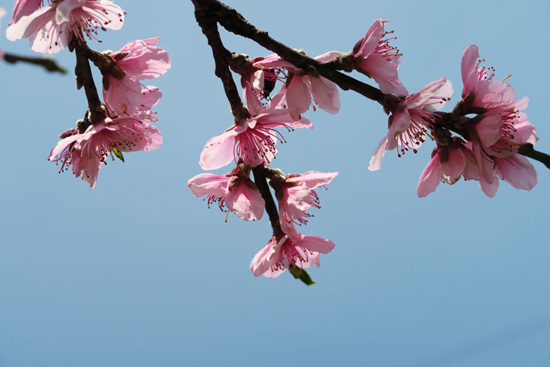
{"x":490,"y":189}
{"x":518,"y":171}
{"x":208,"y":184}
{"x":469,"y":68}
{"x":489,"y":129}
{"x":317,"y":244}
{"x":454,"y":167}
{"x":245,"y":202}
{"x":24,"y":7}
{"x":298,"y":97}
{"x":430,"y":178}
{"x":219,"y":151}
{"x":325,"y":94}
{"x":378,"y":154}
{"x":314,"y":179}
{"x":267,"y":257}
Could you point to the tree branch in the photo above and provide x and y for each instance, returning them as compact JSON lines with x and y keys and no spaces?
{"x":222,"y":56}
{"x":84,"y":78}
{"x":47,"y":63}
{"x":270,"y":206}
{"x":234,"y":22}
{"x":528,"y":151}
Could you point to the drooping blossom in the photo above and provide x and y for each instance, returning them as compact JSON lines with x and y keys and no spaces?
{"x":448,"y":164}
{"x":374,"y":57}
{"x":296,"y":195}
{"x":235,"y":191}
{"x":495,"y":145}
{"x":52,"y":27}
{"x":500,"y":129}
{"x":252,"y":140}
{"x":139,"y":60}
{"x":298,"y":90}
{"x":84,"y":153}
{"x":409,"y":122}
{"x":293,"y":249}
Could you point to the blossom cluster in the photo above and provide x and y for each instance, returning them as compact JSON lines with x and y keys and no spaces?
{"x":126,"y":114}
{"x":252,"y":142}
{"x":479,"y":140}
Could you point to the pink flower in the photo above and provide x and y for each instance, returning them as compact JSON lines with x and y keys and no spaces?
{"x":294,"y":250}
{"x":139,"y":60}
{"x":298,"y":88}
{"x":500,"y":129}
{"x":234,"y":190}
{"x":408,"y":124}
{"x":296,"y":195}
{"x":252,"y":140}
{"x":51,"y":28}
{"x":85,"y":153}
{"x":377,"y":59}
{"x":448,"y":164}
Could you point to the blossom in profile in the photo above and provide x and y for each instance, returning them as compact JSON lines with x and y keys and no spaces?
{"x":299,"y":90}
{"x":448,"y":164}
{"x":500,"y":129}
{"x":293,"y":249}
{"x":374,"y":57}
{"x":51,"y":28}
{"x":85,"y":153}
{"x":252,"y":140}
{"x":409,"y":122}
{"x":296,"y":195}
{"x":139,"y":60}
{"x":235,"y":191}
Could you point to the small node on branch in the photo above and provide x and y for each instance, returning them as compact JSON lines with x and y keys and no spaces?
{"x":344,"y":62}
{"x":240,"y":63}
{"x":390,"y":102}
{"x":241,"y":114}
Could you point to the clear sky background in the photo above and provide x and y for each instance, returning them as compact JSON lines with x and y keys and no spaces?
{"x":138,"y":272}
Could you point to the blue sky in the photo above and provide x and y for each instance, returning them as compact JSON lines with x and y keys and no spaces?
{"x":139,"y":272}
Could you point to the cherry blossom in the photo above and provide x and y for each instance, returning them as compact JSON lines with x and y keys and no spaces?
{"x":292,"y":249}
{"x":51,"y":28}
{"x":139,"y":60}
{"x":85,"y":152}
{"x":234,"y":190}
{"x":409,"y":122}
{"x":374,"y":57}
{"x":253,"y":140}
{"x":296,"y":195}
{"x":488,"y":94}
{"x":448,"y":164}
{"x":298,"y":89}
{"x":500,"y":128}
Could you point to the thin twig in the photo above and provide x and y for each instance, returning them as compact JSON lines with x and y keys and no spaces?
{"x":46,"y":62}
{"x":84,"y":78}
